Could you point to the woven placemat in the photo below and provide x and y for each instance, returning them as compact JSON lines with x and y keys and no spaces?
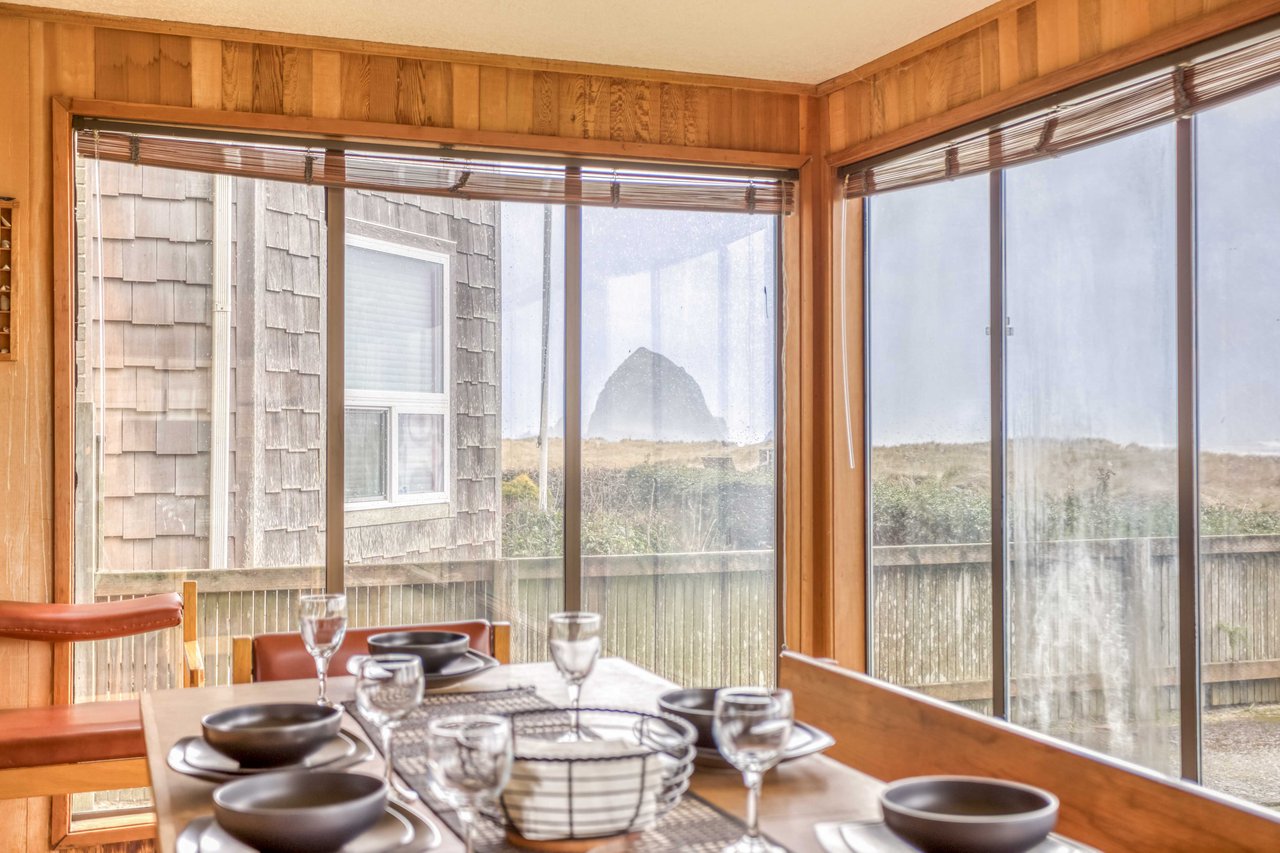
{"x":694,"y":824}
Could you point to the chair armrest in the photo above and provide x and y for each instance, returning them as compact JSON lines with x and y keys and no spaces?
{"x":66,"y":623}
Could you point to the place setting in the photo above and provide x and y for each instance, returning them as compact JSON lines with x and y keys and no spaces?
{"x":282,"y":766}
{"x":954,"y":814}
{"x":503,"y":769}
{"x":571,"y":778}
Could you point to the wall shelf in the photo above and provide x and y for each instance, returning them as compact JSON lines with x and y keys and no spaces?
{"x":8,"y":277}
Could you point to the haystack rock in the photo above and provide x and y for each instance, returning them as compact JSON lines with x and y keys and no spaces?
{"x":651,"y":398}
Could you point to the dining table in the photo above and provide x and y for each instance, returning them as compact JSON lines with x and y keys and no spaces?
{"x":797,"y":794}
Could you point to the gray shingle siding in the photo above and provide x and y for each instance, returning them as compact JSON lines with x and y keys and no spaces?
{"x":144,"y":380}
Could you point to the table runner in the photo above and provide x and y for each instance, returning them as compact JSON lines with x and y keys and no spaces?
{"x":694,"y":824}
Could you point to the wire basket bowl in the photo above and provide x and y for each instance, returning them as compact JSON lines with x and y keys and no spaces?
{"x":594,"y":773}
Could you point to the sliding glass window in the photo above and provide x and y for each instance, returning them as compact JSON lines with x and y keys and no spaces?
{"x":927,"y":286}
{"x":204,"y":383}
{"x":1130,"y":264}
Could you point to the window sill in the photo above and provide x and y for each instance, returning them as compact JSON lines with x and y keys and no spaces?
{"x":371,"y":515}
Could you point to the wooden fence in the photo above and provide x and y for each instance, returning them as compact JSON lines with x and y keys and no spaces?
{"x":932,"y":617}
{"x":698,"y":619}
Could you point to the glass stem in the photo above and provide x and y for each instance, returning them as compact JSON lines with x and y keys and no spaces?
{"x":322,"y":674}
{"x":575,"y":700}
{"x":753,"y":803}
{"x":466,"y":818}
{"x":386,"y":732}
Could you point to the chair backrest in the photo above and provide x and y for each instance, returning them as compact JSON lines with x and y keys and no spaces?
{"x":280,"y":657}
{"x":890,"y":732}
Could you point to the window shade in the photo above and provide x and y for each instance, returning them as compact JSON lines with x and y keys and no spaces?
{"x":1144,"y":101}
{"x":394,"y":336}
{"x":455,"y":176}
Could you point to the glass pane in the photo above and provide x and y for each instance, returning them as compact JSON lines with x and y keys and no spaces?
{"x":929,"y":285}
{"x":200,"y":433}
{"x":420,"y":449}
{"x":472,"y":530}
{"x":1092,"y":487}
{"x":365,"y":459}
{"x":678,"y":480}
{"x":394,"y":336}
{"x":1238,"y":200}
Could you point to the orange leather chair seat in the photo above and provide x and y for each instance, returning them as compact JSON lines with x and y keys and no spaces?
{"x":281,"y":657}
{"x":68,"y":734}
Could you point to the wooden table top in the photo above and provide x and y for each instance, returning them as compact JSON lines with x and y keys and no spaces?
{"x":796,"y":795}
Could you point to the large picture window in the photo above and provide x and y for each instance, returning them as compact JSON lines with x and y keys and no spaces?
{"x":1100,"y":567}
{"x":558,"y":387}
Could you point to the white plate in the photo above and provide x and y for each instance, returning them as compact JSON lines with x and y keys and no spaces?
{"x":805,"y":740}
{"x":471,"y":663}
{"x":399,"y":831}
{"x":872,"y":836}
{"x":192,"y":756}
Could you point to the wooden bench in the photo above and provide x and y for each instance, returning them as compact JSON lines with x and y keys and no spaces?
{"x":890,"y":732}
{"x":91,"y":746}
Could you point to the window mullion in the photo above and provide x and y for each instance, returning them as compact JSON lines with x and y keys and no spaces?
{"x":335,"y":382}
{"x":997,"y":332}
{"x":573,"y":395}
{"x":393,"y":453}
{"x":1189,"y":694}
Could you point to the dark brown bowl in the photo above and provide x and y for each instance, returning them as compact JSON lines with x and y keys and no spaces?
{"x":437,"y":649}
{"x":968,"y":814}
{"x":271,"y":735}
{"x":299,"y":811}
{"x":697,"y":706}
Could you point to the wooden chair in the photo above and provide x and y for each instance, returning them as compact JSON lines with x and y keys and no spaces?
{"x":280,"y":657}
{"x":890,"y":732}
{"x":89,"y":746}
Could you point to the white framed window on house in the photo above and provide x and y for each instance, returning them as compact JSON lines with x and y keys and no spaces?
{"x":397,"y":374}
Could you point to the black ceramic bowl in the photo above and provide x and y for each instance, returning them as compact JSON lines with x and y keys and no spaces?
{"x":437,"y":649}
{"x":299,"y":811}
{"x":697,"y":706}
{"x":967,"y":814}
{"x":271,"y":735}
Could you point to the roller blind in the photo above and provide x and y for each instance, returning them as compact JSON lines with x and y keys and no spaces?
{"x":454,"y":176}
{"x":394,"y":335}
{"x":1149,"y":99}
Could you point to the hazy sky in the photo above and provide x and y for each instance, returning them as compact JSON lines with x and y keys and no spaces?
{"x":1090,"y":291}
{"x":696,"y":287}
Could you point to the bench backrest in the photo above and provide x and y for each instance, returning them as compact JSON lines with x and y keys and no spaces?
{"x":890,"y":732}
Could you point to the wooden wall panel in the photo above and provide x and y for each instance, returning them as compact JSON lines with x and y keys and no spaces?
{"x":50,"y":55}
{"x":1010,"y":53}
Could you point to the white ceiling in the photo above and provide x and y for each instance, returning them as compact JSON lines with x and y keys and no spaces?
{"x":805,"y":41}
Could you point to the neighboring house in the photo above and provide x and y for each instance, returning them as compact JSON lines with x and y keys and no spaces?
{"x":197,"y":428}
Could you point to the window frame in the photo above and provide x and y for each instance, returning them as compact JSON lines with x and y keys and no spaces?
{"x":1190,"y":685}
{"x":396,"y":403}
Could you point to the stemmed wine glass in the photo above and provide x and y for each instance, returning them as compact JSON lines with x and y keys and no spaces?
{"x":752,"y":726}
{"x":322,"y":619}
{"x":388,"y":687}
{"x":468,"y":763}
{"x":574,"y":638}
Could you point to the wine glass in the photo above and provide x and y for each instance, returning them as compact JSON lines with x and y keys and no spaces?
{"x":388,"y":687}
{"x":468,"y":763}
{"x":752,"y":726}
{"x":574,"y":638}
{"x":322,"y":619}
